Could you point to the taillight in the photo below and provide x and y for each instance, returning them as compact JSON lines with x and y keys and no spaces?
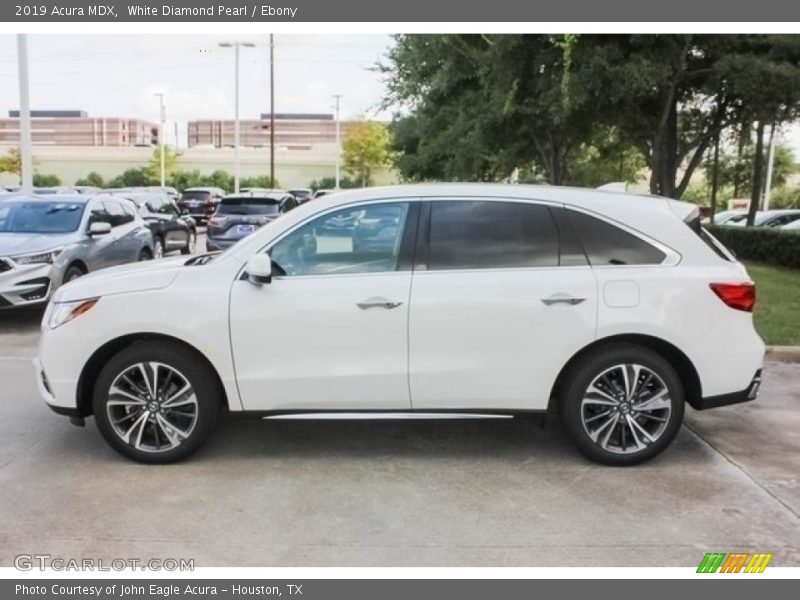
{"x":217,"y":221}
{"x":741,"y":296}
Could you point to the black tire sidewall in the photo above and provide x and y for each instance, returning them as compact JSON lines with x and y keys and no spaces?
{"x":581,"y":375}
{"x":205,"y":385}
{"x":71,"y":270}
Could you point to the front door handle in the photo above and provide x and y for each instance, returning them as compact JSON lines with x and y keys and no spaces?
{"x":559,"y":299}
{"x":377,"y":303}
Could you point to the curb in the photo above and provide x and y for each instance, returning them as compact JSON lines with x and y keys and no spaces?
{"x":784,"y":354}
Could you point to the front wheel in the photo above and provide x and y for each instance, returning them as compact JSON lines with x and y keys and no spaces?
{"x":622,"y":405}
{"x":156,"y":402}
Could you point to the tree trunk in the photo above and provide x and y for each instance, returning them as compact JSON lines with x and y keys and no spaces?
{"x":758,"y":167}
{"x":665,"y":146}
{"x":714,"y":179}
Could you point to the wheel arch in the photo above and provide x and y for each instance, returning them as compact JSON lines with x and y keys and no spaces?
{"x":677,"y":358}
{"x":101,"y":356}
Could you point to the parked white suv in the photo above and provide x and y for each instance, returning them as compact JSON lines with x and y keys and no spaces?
{"x":432,"y":300}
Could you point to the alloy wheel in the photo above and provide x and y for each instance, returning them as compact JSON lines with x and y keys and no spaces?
{"x":152,"y":407}
{"x":626,"y":408}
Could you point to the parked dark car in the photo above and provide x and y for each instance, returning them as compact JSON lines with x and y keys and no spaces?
{"x":171,"y":228}
{"x":302,"y":195}
{"x":200,"y":202}
{"x":239,"y":215}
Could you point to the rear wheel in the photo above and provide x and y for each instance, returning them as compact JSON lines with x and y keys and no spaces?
{"x":622,"y":404}
{"x":145,"y":254}
{"x":155,"y":402}
{"x":191,"y":243}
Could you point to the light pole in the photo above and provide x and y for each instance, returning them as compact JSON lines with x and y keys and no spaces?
{"x":271,"y":110}
{"x":338,"y":97}
{"x":161,"y":138}
{"x":236,"y":45}
{"x":26,"y":157}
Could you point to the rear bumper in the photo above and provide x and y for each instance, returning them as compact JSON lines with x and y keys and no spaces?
{"x":745,"y":395}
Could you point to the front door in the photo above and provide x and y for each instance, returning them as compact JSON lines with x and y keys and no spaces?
{"x":330,"y":331}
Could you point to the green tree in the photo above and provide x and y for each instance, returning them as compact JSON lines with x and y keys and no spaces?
{"x":364,"y":149}
{"x":11,"y":162}
{"x":133,"y":177}
{"x":45,"y":180}
{"x":329,"y":183}
{"x":259,"y":181}
{"x":153,"y":169}
{"x":93,"y":179}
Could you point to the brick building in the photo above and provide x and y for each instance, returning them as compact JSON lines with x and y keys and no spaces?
{"x":77,"y":128}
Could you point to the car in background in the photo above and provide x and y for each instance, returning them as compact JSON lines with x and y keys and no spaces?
{"x":726,"y":216}
{"x":321,"y":193}
{"x":302,"y":195}
{"x":171,"y":228}
{"x":56,"y":189}
{"x":793,"y":226}
{"x":768,"y":218}
{"x":200,"y":202}
{"x":46,"y":241}
{"x":239,"y":215}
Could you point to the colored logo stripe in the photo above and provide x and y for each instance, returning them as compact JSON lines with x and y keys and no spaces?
{"x":758,"y":562}
{"x":734,"y":562}
{"x":711,"y":562}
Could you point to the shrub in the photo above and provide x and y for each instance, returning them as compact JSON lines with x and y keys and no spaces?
{"x":45,"y":180}
{"x":778,"y":247}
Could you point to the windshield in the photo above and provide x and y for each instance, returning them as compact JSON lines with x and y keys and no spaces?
{"x":249,"y":206}
{"x":40,"y":217}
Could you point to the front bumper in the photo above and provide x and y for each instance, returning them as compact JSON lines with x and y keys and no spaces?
{"x":25,"y":285}
{"x":745,"y":395}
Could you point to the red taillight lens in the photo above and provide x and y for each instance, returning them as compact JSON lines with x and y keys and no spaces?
{"x":741,"y":296}
{"x":216,"y":221}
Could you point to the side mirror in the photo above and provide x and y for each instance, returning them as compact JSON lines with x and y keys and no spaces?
{"x":259,"y":269}
{"x":99,"y":228}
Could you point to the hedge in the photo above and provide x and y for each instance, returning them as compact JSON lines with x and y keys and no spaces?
{"x":763,"y":244}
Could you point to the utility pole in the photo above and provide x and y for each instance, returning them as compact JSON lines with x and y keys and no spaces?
{"x":714,"y":179}
{"x":161,"y":139}
{"x":338,"y":97}
{"x":770,"y":166}
{"x":271,"y":110}
{"x":26,"y":155}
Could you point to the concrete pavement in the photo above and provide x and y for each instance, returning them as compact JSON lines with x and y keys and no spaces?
{"x":483,"y":493}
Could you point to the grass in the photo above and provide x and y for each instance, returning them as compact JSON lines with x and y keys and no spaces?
{"x":777,"y":314}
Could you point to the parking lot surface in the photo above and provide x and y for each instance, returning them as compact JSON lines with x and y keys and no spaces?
{"x":431,"y":493}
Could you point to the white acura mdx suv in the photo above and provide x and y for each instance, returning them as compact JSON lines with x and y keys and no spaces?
{"x":447,"y":300}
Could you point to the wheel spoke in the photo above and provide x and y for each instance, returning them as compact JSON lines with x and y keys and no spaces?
{"x":604,"y":397}
{"x":175,"y":399}
{"x":658,"y":402}
{"x":127,"y":435}
{"x":598,"y":416}
{"x":634,"y":426}
{"x":129,"y":399}
{"x":170,"y":429}
{"x":608,"y":423}
{"x":146,"y":378}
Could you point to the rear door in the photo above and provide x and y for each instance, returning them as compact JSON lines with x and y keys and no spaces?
{"x":125,"y":226}
{"x":501,"y":298}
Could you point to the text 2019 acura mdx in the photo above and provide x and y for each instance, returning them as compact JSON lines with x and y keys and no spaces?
{"x":431,"y":300}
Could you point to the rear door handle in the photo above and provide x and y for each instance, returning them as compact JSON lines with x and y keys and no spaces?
{"x":559,"y":299}
{"x":377,"y":303}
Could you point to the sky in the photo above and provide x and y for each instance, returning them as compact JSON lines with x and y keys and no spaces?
{"x":119,"y":75}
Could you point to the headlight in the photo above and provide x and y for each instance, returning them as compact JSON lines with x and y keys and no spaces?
{"x":43,"y":257}
{"x":64,"y":312}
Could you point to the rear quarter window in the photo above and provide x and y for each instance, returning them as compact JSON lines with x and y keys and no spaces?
{"x":606,"y":244}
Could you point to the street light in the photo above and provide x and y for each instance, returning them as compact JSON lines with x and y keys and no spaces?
{"x":26,"y":157}
{"x":161,"y":139}
{"x":338,"y":97}
{"x":236,"y":45}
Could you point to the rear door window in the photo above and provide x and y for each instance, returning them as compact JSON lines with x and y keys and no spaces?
{"x":487,"y":234}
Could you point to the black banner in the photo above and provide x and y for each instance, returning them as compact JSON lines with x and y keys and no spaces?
{"x":443,"y":11}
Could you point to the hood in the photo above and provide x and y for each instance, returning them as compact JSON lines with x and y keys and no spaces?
{"x":134,"y":277}
{"x":13,"y":244}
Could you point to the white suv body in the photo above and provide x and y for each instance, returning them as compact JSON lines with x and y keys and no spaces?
{"x":431,"y":299}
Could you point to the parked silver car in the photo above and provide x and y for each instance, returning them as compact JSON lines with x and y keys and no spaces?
{"x":49,"y":240}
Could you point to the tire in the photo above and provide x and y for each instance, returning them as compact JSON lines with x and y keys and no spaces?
{"x":191,"y":243}
{"x":158,"y":248}
{"x":613,"y":427}
{"x":145,"y":254}
{"x":72,"y":273}
{"x":171,"y":425}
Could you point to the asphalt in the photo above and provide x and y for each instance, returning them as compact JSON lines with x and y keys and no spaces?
{"x":433,"y":493}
